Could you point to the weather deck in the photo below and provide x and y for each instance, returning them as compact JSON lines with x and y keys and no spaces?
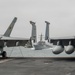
{"x":37,"y":66}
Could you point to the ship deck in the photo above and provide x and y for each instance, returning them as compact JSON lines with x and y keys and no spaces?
{"x":37,"y":66}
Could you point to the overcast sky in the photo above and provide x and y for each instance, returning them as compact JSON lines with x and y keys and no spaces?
{"x":60,"y":13}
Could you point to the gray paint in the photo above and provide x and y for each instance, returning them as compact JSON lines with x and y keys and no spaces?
{"x":33,"y":33}
{"x":47,"y":31}
{"x":10,"y":28}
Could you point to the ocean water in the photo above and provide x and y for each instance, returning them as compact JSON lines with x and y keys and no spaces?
{"x":28,"y":52}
